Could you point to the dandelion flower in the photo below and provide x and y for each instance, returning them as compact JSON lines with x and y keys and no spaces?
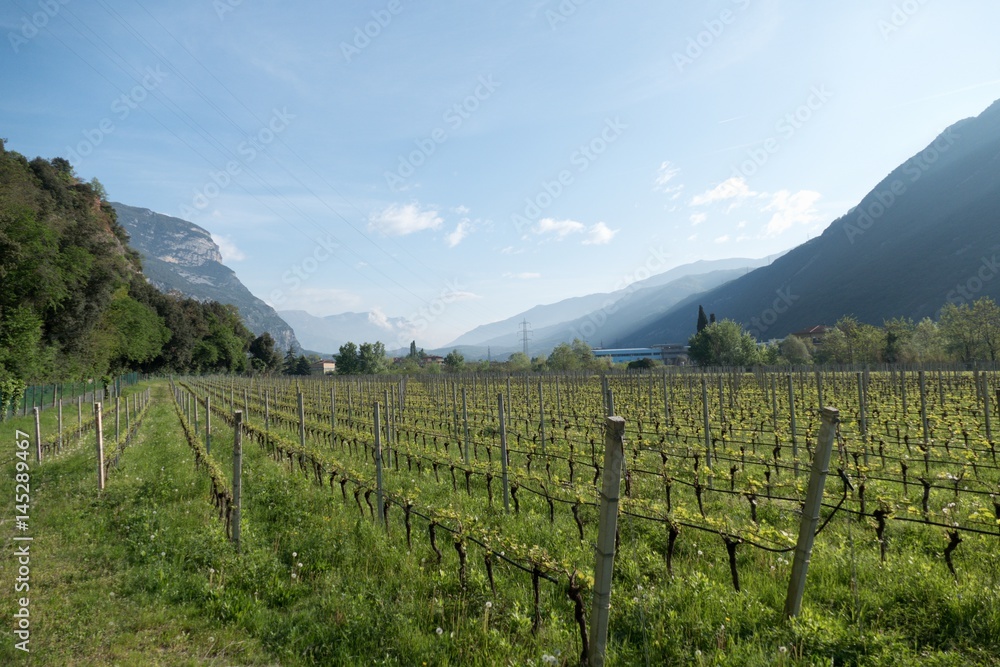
{"x":439,"y":631}
{"x":489,"y":605}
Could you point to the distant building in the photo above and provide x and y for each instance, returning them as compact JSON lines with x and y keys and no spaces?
{"x":323,"y":367}
{"x":673,"y":355}
{"x":814,"y":334}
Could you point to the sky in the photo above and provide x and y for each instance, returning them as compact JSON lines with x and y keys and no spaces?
{"x":455,"y":163}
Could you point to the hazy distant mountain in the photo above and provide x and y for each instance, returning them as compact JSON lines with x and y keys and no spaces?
{"x":605,"y":317}
{"x":927,"y":234}
{"x":327,"y":334}
{"x":180,"y":255}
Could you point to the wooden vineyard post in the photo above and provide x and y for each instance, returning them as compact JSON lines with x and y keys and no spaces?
{"x":238,"y":475}
{"x":333,"y":415}
{"x":465,"y":425}
{"x":99,"y":430}
{"x":118,"y":419}
{"x":863,"y":417}
{"x":208,"y":424}
{"x":810,"y":513}
{"x":986,"y":407}
{"x":791,"y":415}
{"x":923,"y":408}
{"x":79,"y":416}
{"x":59,"y":442}
{"x":614,"y":458}
{"x":503,"y":451}
{"x":378,"y":465}
{"x":302,"y":422}
{"x":38,"y":434}
{"x":541,"y":416}
{"x":705,"y":426}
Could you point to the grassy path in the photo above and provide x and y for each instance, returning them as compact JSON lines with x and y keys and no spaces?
{"x":116,"y":577}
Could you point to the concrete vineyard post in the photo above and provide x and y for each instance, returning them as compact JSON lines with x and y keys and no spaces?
{"x":378,"y":465}
{"x":503,"y":451}
{"x":333,"y":415}
{"x":237,"y":476}
{"x":614,"y":458}
{"x":59,"y":443}
{"x":79,"y":416}
{"x":986,"y":407}
{"x":99,"y":426}
{"x":810,"y":513}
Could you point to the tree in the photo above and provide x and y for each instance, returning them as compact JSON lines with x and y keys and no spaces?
{"x":795,"y":351}
{"x":371,"y":358}
{"x":584,"y":354}
{"x":518,"y":363}
{"x":702,"y":319}
{"x":302,"y":366}
{"x":454,"y":361}
{"x":898,"y":333}
{"x":563,"y":358}
{"x":724,"y":343}
{"x":348,"y":361}
{"x":413,"y":350}
{"x":263,"y":356}
{"x":642,"y":364}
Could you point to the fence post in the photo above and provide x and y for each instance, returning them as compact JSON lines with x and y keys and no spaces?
{"x":503,"y":451}
{"x":59,"y":444}
{"x":378,"y":464}
{"x":810,"y":513}
{"x":614,"y":456}
{"x":38,"y":434}
{"x":208,"y":424}
{"x":302,"y":422}
{"x":465,"y":425}
{"x":237,"y":475}
{"x":791,"y":414}
{"x":99,"y":430}
{"x":706,"y":426}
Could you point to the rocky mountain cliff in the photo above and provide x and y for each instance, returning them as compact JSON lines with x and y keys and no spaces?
{"x":178,"y":255}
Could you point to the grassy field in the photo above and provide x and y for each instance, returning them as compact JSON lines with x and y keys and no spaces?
{"x":143,"y":573}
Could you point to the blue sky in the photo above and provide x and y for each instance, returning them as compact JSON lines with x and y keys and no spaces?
{"x":454,"y":163}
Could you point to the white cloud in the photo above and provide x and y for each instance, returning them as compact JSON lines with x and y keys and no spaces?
{"x":698,"y":218}
{"x":733,"y":188}
{"x":599,"y":234}
{"x":396,"y":220}
{"x":230,"y":253}
{"x":525,"y":275}
{"x":461,"y":231}
{"x":561,"y":228}
{"x":666,"y":173}
{"x":461,"y":295}
{"x":790,"y":209}
{"x":379,"y":319}
{"x":722,"y":239}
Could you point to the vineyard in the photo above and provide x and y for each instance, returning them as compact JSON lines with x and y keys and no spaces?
{"x":453,"y":519}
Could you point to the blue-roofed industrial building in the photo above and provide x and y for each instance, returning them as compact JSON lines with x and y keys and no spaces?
{"x":675,"y":355}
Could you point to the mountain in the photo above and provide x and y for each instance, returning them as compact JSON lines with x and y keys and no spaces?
{"x":178,"y":255}
{"x":327,"y":334}
{"x":927,"y":234}
{"x":608,"y":315}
